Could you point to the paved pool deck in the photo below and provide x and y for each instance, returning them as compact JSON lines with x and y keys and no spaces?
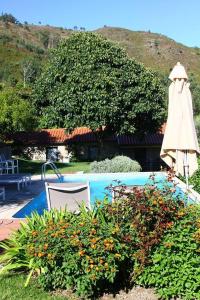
{"x":15,"y":200}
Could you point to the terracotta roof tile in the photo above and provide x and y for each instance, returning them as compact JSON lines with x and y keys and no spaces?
{"x":81,"y":135}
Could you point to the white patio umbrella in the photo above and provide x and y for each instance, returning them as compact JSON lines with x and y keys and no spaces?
{"x":180,"y":146}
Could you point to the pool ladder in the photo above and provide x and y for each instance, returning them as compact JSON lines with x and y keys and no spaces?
{"x":51,"y":164}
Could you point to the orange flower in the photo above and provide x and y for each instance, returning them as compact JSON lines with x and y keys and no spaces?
{"x":65,"y":225}
{"x":45,"y":246}
{"x":34,"y":233}
{"x":94,"y":240}
{"x":169,"y":224}
{"x":82,"y":252}
{"x":40,"y":254}
{"x":168,"y":244}
{"x":101,"y":261}
{"x":94,"y":221}
{"x":93,"y":231}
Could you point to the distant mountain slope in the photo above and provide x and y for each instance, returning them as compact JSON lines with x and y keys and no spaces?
{"x":156,"y":51}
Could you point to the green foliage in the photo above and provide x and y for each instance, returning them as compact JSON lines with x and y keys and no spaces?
{"x":90,"y":81}
{"x":30,"y":68}
{"x":174,"y":264}
{"x":44,"y":37}
{"x":17,"y":111}
{"x":12,"y":288}
{"x":195,"y":89}
{"x":93,"y":251}
{"x":34,"y":167}
{"x":114,"y":165}
{"x":195,"y":179}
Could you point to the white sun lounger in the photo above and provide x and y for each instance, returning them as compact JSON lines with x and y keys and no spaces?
{"x":68,"y":195}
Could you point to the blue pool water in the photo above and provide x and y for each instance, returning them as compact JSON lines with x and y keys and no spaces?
{"x":97,"y":183}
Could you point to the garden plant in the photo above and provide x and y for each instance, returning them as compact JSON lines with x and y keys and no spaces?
{"x":119,"y":163}
{"x":113,"y":246}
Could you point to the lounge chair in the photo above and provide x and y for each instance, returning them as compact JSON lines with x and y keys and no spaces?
{"x":15,"y":178}
{"x":67,"y":195}
{"x":2,"y":192}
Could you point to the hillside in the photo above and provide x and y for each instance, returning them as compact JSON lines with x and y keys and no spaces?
{"x":156,"y":51}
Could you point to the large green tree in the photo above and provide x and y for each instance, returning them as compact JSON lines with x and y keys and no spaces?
{"x":90,"y":81}
{"x":17,"y":111}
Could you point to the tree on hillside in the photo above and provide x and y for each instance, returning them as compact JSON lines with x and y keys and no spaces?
{"x":90,"y":81}
{"x":29,"y":68}
{"x":8,"y":18}
{"x":17,"y":112}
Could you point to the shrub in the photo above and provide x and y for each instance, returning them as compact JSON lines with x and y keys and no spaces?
{"x":92,"y":251}
{"x":195,"y":179}
{"x":114,"y":165}
{"x":174,"y":267}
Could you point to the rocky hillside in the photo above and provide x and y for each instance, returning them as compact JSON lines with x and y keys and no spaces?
{"x":20,"y":41}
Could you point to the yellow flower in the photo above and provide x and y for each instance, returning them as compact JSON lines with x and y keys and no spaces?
{"x":117,"y":255}
{"x":106,"y":265}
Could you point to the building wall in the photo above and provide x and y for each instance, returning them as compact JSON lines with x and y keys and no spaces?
{"x":64,"y":153}
{"x":41,"y":153}
{"x":35,"y":153}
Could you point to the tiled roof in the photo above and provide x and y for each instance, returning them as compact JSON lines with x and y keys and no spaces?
{"x":42,"y":137}
{"x":80,"y":135}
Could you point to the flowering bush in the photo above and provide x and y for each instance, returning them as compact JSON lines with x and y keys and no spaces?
{"x":93,"y":251}
{"x":174,"y":263}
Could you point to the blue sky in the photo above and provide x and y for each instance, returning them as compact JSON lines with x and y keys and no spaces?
{"x":177,"y":19}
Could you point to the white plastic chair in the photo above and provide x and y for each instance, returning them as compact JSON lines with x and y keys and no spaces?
{"x":9,"y":164}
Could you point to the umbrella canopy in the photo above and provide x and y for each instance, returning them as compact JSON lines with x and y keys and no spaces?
{"x":180,"y":146}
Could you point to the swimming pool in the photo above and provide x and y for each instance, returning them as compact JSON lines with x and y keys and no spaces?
{"x":97,"y":183}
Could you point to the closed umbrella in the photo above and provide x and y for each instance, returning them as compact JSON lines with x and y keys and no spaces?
{"x":180,"y":146}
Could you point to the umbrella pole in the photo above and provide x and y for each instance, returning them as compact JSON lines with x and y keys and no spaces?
{"x":186,"y":169}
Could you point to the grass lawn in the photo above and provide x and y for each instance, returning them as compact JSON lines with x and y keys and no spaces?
{"x":12,"y":288}
{"x":34,"y":167}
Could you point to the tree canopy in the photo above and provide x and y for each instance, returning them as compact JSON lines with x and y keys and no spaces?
{"x":90,"y":81}
{"x":17,"y":112}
